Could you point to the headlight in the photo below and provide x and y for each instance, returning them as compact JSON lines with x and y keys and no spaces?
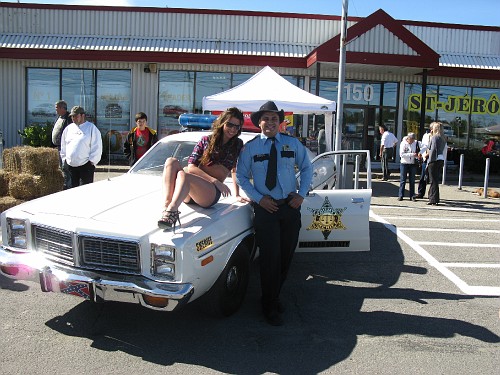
{"x":16,"y":232}
{"x":163,"y":261}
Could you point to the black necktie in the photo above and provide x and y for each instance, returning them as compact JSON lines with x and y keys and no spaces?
{"x":272,"y":166}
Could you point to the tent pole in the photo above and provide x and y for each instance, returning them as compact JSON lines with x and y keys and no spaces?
{"x":340,"y":89}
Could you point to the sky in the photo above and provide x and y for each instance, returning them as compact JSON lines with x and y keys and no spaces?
{"x":467,"y":12}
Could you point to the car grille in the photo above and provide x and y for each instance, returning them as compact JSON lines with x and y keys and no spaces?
{"x":109,"y":254}
{"x":57,"y":244}
{"x":101,"y":253}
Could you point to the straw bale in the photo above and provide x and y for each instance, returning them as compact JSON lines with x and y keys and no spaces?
{"x":51,"y":183}
{"x":38,"y":160}
{"x":24,"y":186}
{"x":32,"y":160}
{"x":27,"y":186}
{"x":8,"y":202}
{"x":4,"y":182}
{"x":11,"y":160}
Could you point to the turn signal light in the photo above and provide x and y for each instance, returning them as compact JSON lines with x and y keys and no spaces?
{"x":155,"y":301}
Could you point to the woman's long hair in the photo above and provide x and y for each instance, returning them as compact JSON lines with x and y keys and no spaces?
{"x":437,"y":128}
{"x":217,"y":136}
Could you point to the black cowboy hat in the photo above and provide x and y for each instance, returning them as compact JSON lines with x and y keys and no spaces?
{"x":266,"y":107}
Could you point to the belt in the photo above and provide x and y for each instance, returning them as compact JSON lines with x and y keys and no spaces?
{"x":280,"y":202}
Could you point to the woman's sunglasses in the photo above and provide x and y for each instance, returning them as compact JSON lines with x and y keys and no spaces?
{"x":230,"y":125}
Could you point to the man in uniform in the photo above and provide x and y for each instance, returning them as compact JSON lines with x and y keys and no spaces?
{"x":266,"y":172}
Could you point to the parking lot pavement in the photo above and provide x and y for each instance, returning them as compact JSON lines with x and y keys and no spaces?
{"x":460,"y":238}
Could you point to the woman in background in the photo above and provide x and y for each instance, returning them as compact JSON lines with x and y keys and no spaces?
{"x":435,"y":161}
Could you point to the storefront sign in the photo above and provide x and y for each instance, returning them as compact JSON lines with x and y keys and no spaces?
{"x":456,"y":104}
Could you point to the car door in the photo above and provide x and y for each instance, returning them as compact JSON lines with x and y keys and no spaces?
{"x":336,"y":219}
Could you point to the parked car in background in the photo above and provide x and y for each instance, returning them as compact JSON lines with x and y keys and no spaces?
{"x":113,"y":110}
{"x":173,"y":110}
{"x":448,"y":131}
{"x":86,"y":242}
{"x":44,"y":110}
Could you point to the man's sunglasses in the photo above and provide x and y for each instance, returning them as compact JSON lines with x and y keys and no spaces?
{"x":230,"y":125}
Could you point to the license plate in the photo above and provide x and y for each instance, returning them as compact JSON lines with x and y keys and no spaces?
{"x":75,"y":288}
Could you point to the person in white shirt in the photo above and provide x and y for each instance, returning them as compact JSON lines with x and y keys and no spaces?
{"x":81,"y":148}
{"x":408,"y":152}
{"x":387,"y":143}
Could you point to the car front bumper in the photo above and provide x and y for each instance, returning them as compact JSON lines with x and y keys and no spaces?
{"x":94,"y":285}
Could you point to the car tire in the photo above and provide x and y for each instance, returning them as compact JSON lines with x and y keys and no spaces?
{"x":227,"y":294}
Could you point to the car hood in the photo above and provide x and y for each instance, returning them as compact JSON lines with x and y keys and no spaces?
{"x":130,"y":204}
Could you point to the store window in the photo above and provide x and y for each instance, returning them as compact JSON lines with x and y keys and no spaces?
{"x":104,"y":94}
{"x":485,"y":117}
{"x":209,"y":83}
{"x":469,"y":115}
{"x":43,"y":89}
{"x":182,"y":92}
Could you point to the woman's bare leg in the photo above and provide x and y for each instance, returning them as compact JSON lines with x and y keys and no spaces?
{"x":170,"y":172}
{"x":200,"y":190}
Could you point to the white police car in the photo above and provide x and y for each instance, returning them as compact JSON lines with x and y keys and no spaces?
{"x":101,"y":241}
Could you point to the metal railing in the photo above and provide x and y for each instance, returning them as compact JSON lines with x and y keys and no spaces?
{"x":341,"y":160}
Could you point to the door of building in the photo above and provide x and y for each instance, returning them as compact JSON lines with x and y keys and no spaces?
{"x":359,"y":129}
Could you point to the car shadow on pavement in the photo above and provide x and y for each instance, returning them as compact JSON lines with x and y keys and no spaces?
{"x":10,"y":284}
{"x":325,"y":297}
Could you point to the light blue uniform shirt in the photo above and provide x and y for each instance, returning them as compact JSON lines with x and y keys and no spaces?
{"x":253,"y":161}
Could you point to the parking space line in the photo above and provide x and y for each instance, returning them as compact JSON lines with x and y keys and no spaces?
{"x":458,"y":244}
{"x":433,"y":262}
{"x":452,"y":230}
{"x":446,"y":219}
{"x":471,"y":265}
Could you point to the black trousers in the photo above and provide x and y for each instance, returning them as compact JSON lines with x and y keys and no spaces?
{"x":276,"y":236}
{"x":422,"y":183}
{"x":387,"y":154}
{"x":81,"y":175}
{"x":435,"y":169}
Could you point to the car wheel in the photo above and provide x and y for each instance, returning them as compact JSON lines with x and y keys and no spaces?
{"x":227,"y":294}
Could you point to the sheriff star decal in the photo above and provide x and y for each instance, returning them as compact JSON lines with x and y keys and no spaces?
{"x":326,"y":218}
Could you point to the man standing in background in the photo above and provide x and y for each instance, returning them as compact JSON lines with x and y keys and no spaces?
{"x":387,"y":144}
{"x":81,"y":148}
{"x":63,"y":120}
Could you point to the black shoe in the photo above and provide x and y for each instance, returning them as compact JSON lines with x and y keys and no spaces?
{"x":400,"y":198}
{"x":418,"y":196}
{"x":169,"y":219}
{"x":414,"y":198}
{"x":274,"y":318}
{"x":432,"y":204}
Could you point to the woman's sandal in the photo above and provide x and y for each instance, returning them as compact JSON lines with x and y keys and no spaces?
{"x":169,"y":219}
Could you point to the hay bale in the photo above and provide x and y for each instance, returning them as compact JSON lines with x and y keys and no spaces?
{"x":33,"y":160}
{"x":8,"y":202}
{"x":4,"y":183}
{"x":38,"y":161}
{"x":51,"y":183}
{"x":11,"y":160}
{"x":27,"y":186}
{"x":24,"y":186}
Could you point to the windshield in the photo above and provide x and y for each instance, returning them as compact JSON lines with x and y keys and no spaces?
{"x":153,"y":161}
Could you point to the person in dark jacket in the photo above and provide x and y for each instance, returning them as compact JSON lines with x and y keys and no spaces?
{"x":63,"y":120}
{"x":139,"y":139}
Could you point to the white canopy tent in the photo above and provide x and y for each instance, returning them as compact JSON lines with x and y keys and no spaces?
{"x":268,"y":85}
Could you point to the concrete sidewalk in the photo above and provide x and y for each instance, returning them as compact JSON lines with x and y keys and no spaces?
{"x":385,"y":193}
